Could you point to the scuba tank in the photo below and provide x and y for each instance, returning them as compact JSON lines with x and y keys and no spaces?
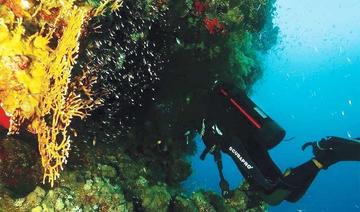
{"x":247,"y":116}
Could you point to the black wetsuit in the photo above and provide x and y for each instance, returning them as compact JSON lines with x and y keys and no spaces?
{"x":233,"y":130}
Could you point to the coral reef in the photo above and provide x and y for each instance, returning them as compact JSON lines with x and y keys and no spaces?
{"x":142,"y":71}
{"x":38,"y":48}
{"x":109,"y":180}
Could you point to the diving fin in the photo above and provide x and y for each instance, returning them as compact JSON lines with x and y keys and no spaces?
{"x":331,"y":150}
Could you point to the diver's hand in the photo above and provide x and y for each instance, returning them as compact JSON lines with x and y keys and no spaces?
{"x":324,"y":144}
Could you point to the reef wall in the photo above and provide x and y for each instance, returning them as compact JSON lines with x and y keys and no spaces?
{"x":143,"y":71}
{"x":104,"y":178}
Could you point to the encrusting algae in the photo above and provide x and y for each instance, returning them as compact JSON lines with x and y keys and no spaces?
{"x":39,"y":44}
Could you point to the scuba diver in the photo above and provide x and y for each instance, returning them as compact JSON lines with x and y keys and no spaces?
{"x":236,"y":126}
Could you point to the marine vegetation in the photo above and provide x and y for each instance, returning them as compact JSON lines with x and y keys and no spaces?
{"x":38,"y":48}
{"x":141,"y":69}
{"x":104,"y":178}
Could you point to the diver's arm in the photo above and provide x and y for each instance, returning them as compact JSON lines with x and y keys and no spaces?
{"x":210,"y":140}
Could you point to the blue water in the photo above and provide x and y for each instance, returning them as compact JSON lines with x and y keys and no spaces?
{"x":311,"y":87}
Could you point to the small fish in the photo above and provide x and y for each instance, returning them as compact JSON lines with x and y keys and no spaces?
{"x":94,"y":141}
{"x":340,"y":50}
{"x":74,"y":132}
{"x":258,"y":8}
{"x":348,"y":59}
{"x":316,"y":49}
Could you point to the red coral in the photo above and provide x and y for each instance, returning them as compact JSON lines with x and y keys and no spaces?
{"x":4,"y":119}
{"x":199,"y":7}
{"x":213,"y":25}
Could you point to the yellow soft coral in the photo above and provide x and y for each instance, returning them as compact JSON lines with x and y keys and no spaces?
{"x":35,"y":73}
{"x":114,"y":6}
